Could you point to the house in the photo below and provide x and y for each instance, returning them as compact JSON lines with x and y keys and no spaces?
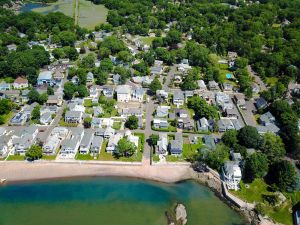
{"x":267,"y":119}
{"x":51,"y":145}
{"x":116,"y":79}
{"x":58,"y":75}
{"x":138,"y":95}
{"x":255,"y":88}
{"x":132,"y":138}
{"x":209,"y":142}
{"x":76,"y":107}
{"x":261,"y":103}
{"x":227,"y":87}
{"x":24,"y":96}
{"x":126,"y":112}
{"x":69,"y":147}
{"x":96,"y":145}
{"x":108,"y":92}
{"x":5,"y":86}
{"x":184,"y":68}
{"x":201,"y":85}
{"x":124,"y":93}
{"x":178,"y":98}
{"x":61,"y":132}
{"x":75,"y":80}
{"x":20,"y":83}
{"x":236,"y":124}
{"x":182,"y":113}
{"x":162,"y":144}
{"x":186,"y":123}
{"x":24,"y":139}
{"x":94,"y":92}
{"x":98,"y":110}
{"x":160,"y":123}
{"x":73,"y":117}
{"x":232,"y":175}
{"x":52,"y":109}
{"x":5,"y":144}
{"x":106,"y":133}
{"x":223,"y":101}
{"x":156,"y":70}
{"x":240,"y":101}
{"x":236,"y":157}
{"x":46,"y":118}
{"x":11,"y":47}
{"x":86,"y":142}
{"x":272,"y":128}
{"x":203,"y":124}
{"x":176,"y":145}
{"x":45,"y":77}
{"x":188,"y":94}
{"x":162,"y":111}
{"x":213,"y":85}
{"x":232,"y":113}
{"x":54,"y":100}
{"x":19,"y":119}
{"x":225,"y":124}
{"x":162,"y":95}
{"x":113,"y":142}
{"x":90,"y":78}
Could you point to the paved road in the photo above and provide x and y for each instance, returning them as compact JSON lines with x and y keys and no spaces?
{"x":257,"y":79}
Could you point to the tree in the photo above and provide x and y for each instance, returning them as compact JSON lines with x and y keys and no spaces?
{"x":125,"y":148}
{"x":124,"y":56}
{"x":69,"y":90}
{"x":229,"y":138}
{"x":153,"y":139}
{"x":6,"y":106}
{"x":132,"y":122}
{"x":50,"y":91}
{"x":273,"y":147}
{"x":201,"y":108}
{"x":87,"y":122}
{"x":101,"y":76}
{"x":189,"y":84}
{"x":67,"y":38}
{"x":88,"y":61}
{"x":34,"y":152}
{"x":33,"y":96}
{"x":216,"y":158}
{"x":82,"y":91}
{"x":249,"y":137}
{"x":283,"y":174}
{"x":173,"y":37}
{"x":155,"y":85}
{"x":36,"y":113}
{"x":256,"y":166}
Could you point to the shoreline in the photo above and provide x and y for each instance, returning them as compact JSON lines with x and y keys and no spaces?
{"x":26,"y":172}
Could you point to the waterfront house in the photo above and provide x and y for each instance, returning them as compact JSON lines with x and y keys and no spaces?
{"x":51,"y":145}
{"x":113,"y":142}
{"x":86,"y":142}
{"x":232,"y":175}
{"x":96,"y":145}
{"x":176,"y":145}
{"x":162,"y":144}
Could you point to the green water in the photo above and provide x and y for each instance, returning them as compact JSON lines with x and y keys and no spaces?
{"x":109,"y":201}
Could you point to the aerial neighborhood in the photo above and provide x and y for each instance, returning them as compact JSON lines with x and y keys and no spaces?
{"x":158,"y":96}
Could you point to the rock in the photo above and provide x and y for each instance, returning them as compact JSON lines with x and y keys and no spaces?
{"x":181,"y":214}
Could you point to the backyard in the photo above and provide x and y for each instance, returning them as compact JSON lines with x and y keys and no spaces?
{"x":257,"y":192}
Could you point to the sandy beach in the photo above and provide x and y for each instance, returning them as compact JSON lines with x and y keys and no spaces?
{"x":25,"y":171}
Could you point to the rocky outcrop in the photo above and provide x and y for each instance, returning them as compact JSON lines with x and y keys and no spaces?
{"x":181,"y":215}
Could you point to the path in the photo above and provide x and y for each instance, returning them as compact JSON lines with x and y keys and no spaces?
{"x":257,"y":79}
{"x":76,"y":12}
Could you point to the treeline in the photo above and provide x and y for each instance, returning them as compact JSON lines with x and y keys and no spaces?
{"x":267,"y":33}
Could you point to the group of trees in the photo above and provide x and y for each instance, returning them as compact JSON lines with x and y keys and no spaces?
{"x":71,"y":89}
{"x":266,"y":162}
{"x":202,"y":108}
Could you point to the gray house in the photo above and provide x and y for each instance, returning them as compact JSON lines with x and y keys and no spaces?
{"x":96,"y":145}
{"x":86,"y":142}
{"x":176,"y":145}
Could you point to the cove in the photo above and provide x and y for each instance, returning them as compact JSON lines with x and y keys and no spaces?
{"x":109,"y":201}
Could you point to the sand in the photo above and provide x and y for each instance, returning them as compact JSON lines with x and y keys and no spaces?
{"x":14,"y":171}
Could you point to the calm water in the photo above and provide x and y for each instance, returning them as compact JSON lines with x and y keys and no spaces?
{"x":28,"y":7}
{"x":109,"y":201}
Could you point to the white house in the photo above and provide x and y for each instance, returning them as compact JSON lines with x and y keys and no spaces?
{"x":113,"y":142}
{"x":86,"y":142}
{"x":46,"y":118}
{"x":51,"y":145}
{"x":178,"y":98}
{"x":232,"y":175}
{"x":124,"y":93}
{"x":20,"y":83}
{"x":96,"y":145}
{"x":73,"y":117}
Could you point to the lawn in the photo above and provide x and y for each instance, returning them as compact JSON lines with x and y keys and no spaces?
{"x":147,"y":40}
{"x":49,"y":157}
{"x":62,"y":123}
{"x":88,"y":103}
{"x":141,"y":140}
{"x":255,"y":192}
{"x":117,"y":125}
{"x":271,"y":81}
{"x":16,"y":157}
{"x":84,"y":157}
{"x":104,"y":156}
{"x":6,"y":117}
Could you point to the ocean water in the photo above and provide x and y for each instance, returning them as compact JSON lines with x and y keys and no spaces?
{"x":109,"y":201}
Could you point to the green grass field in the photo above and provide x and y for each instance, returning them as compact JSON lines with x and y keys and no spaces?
{"x":89,"y":16}
{"x":255,"y":192}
